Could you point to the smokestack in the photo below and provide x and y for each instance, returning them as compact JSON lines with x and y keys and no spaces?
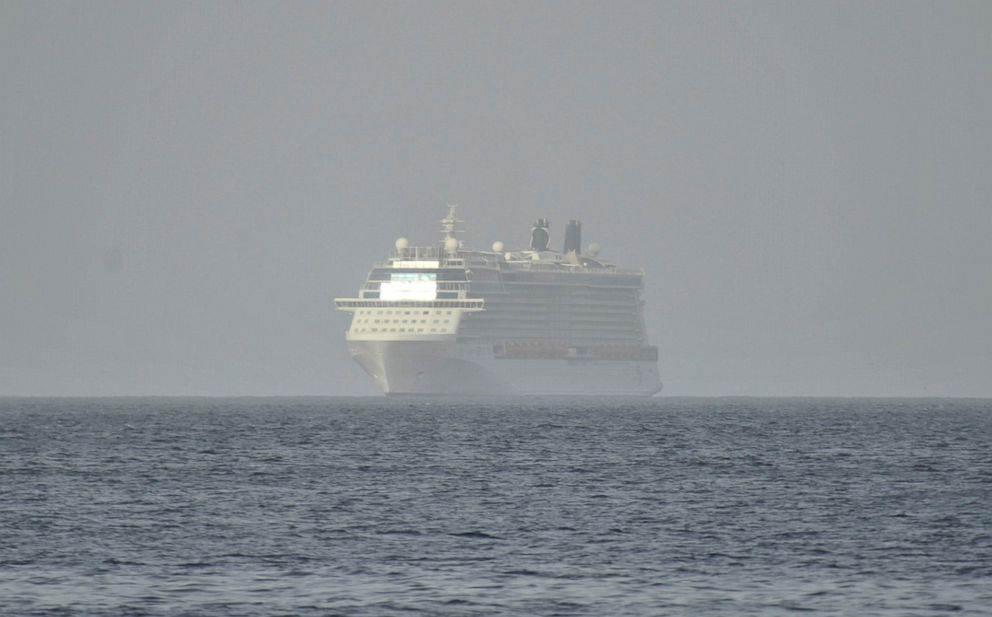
{"x":573,"y":237}
{"x":539,"y":236}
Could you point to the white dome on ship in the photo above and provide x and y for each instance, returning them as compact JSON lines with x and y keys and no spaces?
{"x":497,"y":247}
{"x":451,"y":245}
{"x":401,"y":243}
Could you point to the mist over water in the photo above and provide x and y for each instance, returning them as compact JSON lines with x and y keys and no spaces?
{"x":185,"y":187}
{"x":515,"y":507}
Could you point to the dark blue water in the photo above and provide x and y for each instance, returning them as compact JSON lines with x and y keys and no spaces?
{"x":532,"y":507}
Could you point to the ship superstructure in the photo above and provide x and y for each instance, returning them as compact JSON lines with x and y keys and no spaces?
{"x":446,"y":319}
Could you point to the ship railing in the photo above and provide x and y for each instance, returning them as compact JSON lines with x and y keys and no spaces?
{"x":555,"y":349}
{"x":350,"y":304}
{"x":418,"y":253}
{"x":539,"y":266}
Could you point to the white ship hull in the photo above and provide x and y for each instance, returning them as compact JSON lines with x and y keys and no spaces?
{"x":448,"y":320}
{"x":450,"y":368}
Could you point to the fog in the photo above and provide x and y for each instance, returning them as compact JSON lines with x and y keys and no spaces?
{"x":185,"y":187}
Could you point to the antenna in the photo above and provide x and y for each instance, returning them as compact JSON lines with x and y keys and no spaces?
{"x":450,"y":224}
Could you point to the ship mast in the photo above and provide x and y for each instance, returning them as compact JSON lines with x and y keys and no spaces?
{"x":449,"y":227}
{"x":450,"y":224}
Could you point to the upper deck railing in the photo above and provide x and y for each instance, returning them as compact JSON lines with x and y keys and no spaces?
{"x":467,"y":257}
{"x":418,"y":253}
{"x":466,"y":304}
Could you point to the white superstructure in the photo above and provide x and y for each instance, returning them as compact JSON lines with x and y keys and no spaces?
{"x":449,"y":320}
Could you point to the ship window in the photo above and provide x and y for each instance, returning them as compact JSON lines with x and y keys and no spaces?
{"x":412,"y":277}
{"x":426,"y":312}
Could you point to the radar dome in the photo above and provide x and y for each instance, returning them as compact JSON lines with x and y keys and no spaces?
{"x":401,"y":243}
{"x":593,"y":249}
{"x":497,"y":247}
{"x":451,"y":245}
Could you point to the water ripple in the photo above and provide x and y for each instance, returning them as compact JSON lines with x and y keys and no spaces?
{"x":380,"y":507}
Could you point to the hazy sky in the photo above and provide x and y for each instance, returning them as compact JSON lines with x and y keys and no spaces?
{"x":185,"y":187}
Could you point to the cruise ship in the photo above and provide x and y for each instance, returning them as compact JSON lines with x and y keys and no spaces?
{"x":450,"y":320}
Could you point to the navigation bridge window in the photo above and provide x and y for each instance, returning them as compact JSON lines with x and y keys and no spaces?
{"x":409,"y":286}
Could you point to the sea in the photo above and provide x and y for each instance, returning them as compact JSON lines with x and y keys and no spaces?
{"x":529,"y":506}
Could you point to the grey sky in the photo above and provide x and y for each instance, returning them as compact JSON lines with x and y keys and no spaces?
{"x":184,"y":187}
